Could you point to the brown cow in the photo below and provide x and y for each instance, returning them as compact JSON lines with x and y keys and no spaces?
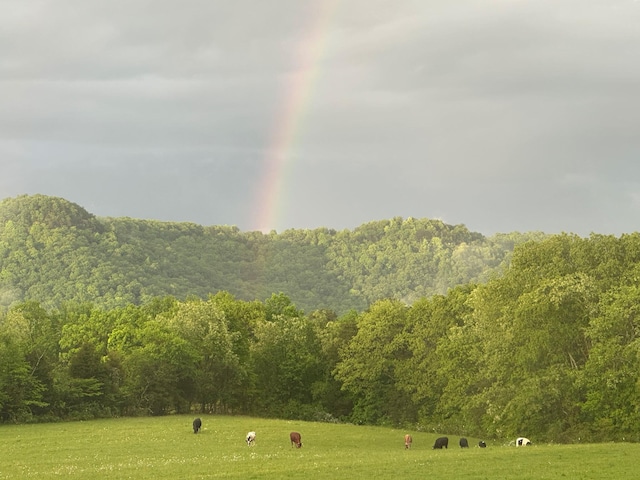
{"x":296,"y":439}
{"x":407,"y":441}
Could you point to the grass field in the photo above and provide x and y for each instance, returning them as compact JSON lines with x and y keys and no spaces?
{"x":166,"y":448}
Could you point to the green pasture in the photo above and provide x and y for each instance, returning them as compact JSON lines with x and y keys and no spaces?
{"x":166,"y":448}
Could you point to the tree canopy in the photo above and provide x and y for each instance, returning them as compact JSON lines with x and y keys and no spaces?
{"x":542,"y":339}
{"x":54,"y":251}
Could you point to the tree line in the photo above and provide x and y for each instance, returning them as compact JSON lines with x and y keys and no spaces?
{"x":551,"y":347}
{"x":219,"y":355}
{"x":440,"y":328}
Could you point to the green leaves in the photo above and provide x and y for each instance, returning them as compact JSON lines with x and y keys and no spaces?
{"x":53,"y":251}
{"x":550,"y":346}
{"x":369,"y":363}
{"x":19,"y":389}
{"x":611,"y":377}
{"x":287,"y":362}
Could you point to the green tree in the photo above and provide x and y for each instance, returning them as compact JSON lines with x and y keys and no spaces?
{"x":531,"y":325}
{"x":369,"y":363}
{"x":80,"y":388}
{"x":287,"y":364}
{"x":611,"y":377}
{"x":204,"y":326}
{"x":334,"y":334}
{"x":425,"y":374}
{"x":242,"y":319}
{"x":160,"y":371}
{"x":36,"y":334}
{"x":20,"y":390}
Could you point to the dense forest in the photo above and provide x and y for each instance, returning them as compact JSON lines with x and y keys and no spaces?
{"x":501,"y":337}
{"x":54,"y":251}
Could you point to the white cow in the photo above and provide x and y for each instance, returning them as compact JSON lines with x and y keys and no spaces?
{"x":251,"y":438}
{"x":521,"y":442}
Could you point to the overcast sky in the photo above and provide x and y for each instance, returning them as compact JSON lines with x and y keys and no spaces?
{"x":503,"y":115}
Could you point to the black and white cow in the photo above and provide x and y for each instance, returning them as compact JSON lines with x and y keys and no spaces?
{"x":482,"y":444}
{"x":441,"y":442}
{"x":251,"y":438}
{"x":522,"y":442}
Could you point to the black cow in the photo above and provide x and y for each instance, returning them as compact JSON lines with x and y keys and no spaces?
{"x":464,"y":443}
{"x":197,"y":425}
{"x":441,"y":442}
{"x":481,"y":444}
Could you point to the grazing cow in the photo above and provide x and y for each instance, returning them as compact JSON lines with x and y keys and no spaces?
{"x":481,"y":444}
{"x":441,"y":442}
{"x":251,"y":438}
{"x":197,"y":425}
{"x":296,"y":439}
{"x":521,"y":442}
{"x":464,"y":443}
{"x":407,"y":441}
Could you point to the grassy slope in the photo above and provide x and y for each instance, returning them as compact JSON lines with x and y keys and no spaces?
{"x":166,"y":448}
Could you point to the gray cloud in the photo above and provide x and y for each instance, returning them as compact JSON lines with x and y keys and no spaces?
{"x":499,"y":114}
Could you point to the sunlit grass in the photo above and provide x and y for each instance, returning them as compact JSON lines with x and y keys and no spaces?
{"x":167,"y":448}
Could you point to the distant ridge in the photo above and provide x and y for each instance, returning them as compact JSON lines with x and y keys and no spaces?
{"x":55,"y":251}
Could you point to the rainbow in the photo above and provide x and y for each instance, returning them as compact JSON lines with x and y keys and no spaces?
{"x":277,"y":166}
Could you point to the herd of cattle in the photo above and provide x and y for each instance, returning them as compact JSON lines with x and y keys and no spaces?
{"x":295,"y":437}
{"x":441,"y":442}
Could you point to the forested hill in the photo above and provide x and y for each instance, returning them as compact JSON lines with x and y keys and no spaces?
{"x":52,"y":251}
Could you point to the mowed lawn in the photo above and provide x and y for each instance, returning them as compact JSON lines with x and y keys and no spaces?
{"x":166,"y":448}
